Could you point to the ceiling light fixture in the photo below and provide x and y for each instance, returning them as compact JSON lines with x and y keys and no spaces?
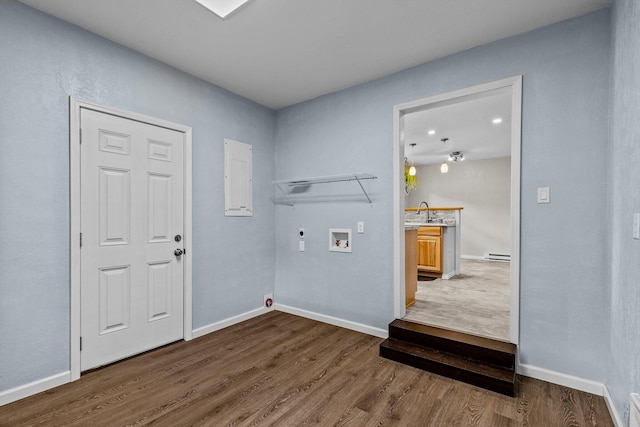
{"x":412,"y":169}
{"x":432,"y":132}
{"x":497,"y":120}
{"x":444,"y":167}
{"x":456,"y":156}
{"x":223,"y":8}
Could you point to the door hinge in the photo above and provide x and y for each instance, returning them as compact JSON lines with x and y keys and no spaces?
{"x":80,"y":343}
{"x":80,"y":239}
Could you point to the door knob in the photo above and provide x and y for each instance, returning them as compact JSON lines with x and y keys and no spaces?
{"x":178,"y":252}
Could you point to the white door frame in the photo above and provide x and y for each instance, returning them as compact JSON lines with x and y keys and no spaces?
{"x":515,"y":84}
{"x":75,"y":106}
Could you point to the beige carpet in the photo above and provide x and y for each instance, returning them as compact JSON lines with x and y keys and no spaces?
{"x":475,"y":302}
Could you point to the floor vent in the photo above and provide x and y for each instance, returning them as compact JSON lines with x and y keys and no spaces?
{"x":498,"y":257}
{"x":634,"y":410}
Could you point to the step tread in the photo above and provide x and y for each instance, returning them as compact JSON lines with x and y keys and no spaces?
{"x":459,"y":337}
{"x":496,"y":373}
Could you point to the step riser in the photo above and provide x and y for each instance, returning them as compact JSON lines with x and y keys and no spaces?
{"x":488,"y":383}
{"x":479,"y":361}
{"x":485,"y":355}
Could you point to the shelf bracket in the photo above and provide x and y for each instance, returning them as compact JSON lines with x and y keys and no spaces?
{"x":286,"y":195}
{"x":363,"y":190}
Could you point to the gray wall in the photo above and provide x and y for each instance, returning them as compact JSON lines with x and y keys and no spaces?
{"x":44,"y":61}
{"x":564,"y":142}
{"x":483,"y":189}
{"x":623,"y":376}
{"x":565,"y":312}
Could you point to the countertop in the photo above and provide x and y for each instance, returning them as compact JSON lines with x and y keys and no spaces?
{"x":457,"y":208}
{"x":423,"y":224}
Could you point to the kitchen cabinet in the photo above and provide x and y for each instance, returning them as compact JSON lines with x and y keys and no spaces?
{"x":438,"y":243}
{"x":410,"y":265}
{"x":430,"y":250}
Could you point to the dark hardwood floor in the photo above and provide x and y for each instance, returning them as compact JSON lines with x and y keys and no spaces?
{"x":284,"y":370}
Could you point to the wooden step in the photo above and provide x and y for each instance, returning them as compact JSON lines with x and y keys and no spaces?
{"x":484,"y":350}
{"x":483,"y":362}
{"x":499,"y":379}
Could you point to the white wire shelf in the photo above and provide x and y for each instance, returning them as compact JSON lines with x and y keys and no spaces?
{"x":358,"y":177}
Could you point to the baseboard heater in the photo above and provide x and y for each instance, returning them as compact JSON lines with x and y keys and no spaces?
{"x":498,"y":257}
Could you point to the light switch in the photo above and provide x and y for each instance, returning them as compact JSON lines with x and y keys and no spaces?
{"x":636,"y":226}
{"x":543,"y":194}
{"x":301,"y":245}
{"x":360,"y":227}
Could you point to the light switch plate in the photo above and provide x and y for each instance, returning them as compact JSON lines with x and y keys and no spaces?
{"x":301,"y":245}
{"x":360,"y":227}
{"x":636,"y":226}
{"x":543,"y":195}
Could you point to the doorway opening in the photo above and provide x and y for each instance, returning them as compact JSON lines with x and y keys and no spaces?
{"x":475,"y":302}
{"x":428,"y":161}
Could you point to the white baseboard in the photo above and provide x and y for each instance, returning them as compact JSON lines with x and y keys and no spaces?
{"x":230,"y":321}
{"x":447,"y":276}
{"x":559,"y":378}
{"x":44,"y":384}
{"x":615,"y":416}
{"x":588,"y":386}
{"x":35,"y":387}
{"x":482,"y":258}
{"x":354,"y":326}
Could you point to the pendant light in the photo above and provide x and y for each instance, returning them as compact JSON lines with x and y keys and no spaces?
{"x":444,"y":167}
{"x":412,"y":168}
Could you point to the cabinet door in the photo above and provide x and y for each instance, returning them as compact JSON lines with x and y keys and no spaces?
{"x":411,"y":266}
{"x":430,"y":253}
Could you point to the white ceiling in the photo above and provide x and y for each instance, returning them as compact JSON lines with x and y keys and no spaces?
{"x":468,"y":125}
{"x":281,"y":52}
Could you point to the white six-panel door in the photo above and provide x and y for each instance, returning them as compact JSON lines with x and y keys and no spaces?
{"x":131,"y":282}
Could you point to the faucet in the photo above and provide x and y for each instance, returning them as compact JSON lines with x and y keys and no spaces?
{"x":420,"y":206}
